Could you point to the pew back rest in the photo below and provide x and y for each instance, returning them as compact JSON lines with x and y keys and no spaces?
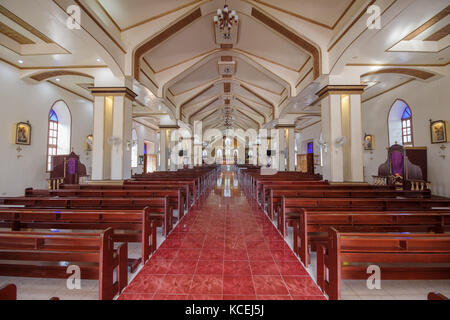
{"x":93,"y":252}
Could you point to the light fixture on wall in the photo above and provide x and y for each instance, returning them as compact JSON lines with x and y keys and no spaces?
{"x":114,"y":141}
{"x":225,"y":18}
{"x":442,"y":153}
{"x":323,"y":145}
{"x":19,"y":150}
{"x":341,"y":141}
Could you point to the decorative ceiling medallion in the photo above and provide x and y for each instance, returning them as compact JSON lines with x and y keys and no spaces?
{"x":227,"y":68}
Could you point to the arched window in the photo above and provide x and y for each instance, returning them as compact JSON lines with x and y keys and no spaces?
{"x":52,"y":143}
{"x":59,"y":132}
{"x":406,"y":127}
{"x":134,"y":149}
{"x":400,"y":124}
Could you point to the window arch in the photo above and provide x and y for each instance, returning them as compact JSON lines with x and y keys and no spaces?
{"x":59,"y":132}
{"x":400,"y":124}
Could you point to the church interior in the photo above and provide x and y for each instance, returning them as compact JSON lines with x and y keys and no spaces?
{"x":225,"y":150}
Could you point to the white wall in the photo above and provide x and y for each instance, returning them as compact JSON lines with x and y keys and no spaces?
{"x":20,"y":102}
{"x":427,"y":101}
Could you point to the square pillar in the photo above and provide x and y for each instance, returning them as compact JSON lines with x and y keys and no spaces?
{"x":112,"y":123}
{"x":167,"y":146}
{"x":341,"y":117}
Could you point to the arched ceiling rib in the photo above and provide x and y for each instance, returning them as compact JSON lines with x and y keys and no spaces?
{"x":195,"y":71}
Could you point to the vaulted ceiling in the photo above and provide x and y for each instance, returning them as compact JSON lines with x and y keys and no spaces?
{"x":184,"y":69}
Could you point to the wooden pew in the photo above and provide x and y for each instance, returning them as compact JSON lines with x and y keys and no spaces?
{"x":134,"y":225}
{"x":347,"y":255}
{"x":290,"y":208}
{"x":94,"y":253}
{"x":312,"y":226}
{"x":185,"y":194}
{"x":436,"y":296}
{"x":8,"y":292}
{"x":175,"y":199}
{"x":191,"y":185}
{"x":274,"y":199}
{"x":155,"y":205}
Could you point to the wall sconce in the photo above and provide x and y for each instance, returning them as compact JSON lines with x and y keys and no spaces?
{"x":114,"y":141}
{"x":19,"y":150}
{"x":323,"y":145}
{"x":442,"y":152}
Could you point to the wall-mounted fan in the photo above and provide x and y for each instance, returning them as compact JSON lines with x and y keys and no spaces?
{"x":114,"y":141}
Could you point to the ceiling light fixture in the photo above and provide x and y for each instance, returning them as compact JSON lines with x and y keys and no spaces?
{"x":98,"y":60}
{"x":225,"y":18}
{"x":58,"y":80}
{"x":20,"y":61}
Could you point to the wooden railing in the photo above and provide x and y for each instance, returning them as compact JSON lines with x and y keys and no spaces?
{"x":416,"y":185}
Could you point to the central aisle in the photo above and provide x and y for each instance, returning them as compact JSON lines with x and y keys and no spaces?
{"x":225,"y":250}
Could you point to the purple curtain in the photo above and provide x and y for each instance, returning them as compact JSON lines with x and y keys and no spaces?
{"x":72,"y":166}
{"x":397,"y":163}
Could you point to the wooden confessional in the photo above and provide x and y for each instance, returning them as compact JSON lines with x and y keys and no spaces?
{"x":66,"y":169}
{"x":405,"y":168}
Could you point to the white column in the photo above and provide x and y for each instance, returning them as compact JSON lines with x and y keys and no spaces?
{"x":291,"y":148}
{"x":342,"y":162}
{"x":122,"y":128}
{"x":111,"y":158}
{"x":356,"y":136}
{"x":98,"y":138}
{"x":281,"y":152}
{"x":163,"y":149}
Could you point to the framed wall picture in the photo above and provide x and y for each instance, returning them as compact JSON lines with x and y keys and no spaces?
{"x":23,"y":133}
{"x":88,"y":142}
{"x":439,"y":133}
{"x":369,"y":142}
{"x":141,"y":160}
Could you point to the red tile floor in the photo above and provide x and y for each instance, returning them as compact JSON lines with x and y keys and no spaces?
{"x":225,"y":250}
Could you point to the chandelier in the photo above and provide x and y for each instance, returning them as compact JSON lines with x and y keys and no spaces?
{"x":228,"y":121}
{"x":225,"y":18}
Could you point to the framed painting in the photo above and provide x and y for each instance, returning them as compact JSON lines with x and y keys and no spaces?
{"x":438,"y":131}
{"x":369,"y":142}
{"x":23,"y":133}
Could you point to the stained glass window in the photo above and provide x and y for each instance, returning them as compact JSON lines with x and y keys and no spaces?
{"x":310,"y":147}
{"x":407,"y":135}
{"x":52,"y":140}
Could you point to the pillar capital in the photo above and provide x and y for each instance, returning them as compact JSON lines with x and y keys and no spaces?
{"x":113,"y":91}
{"x":340,"y":89}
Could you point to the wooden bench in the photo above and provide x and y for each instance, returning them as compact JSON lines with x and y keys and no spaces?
{"x":274,"y":199}
{"x":43,"y":254}
{"x":436,"y":296}
{"x":290,"y":208}
{"x":347,"y":255}
{"x":128,"y":225}
{"x":155,"y":205}
{"x":8,"y":292}
{"x":191,"y":185}
{"x":184,"y":189}
{"x":175,"y":199}
{"x":312,"y":226}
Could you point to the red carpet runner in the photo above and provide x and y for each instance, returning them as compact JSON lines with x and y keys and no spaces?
{"x":226,"y":250}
